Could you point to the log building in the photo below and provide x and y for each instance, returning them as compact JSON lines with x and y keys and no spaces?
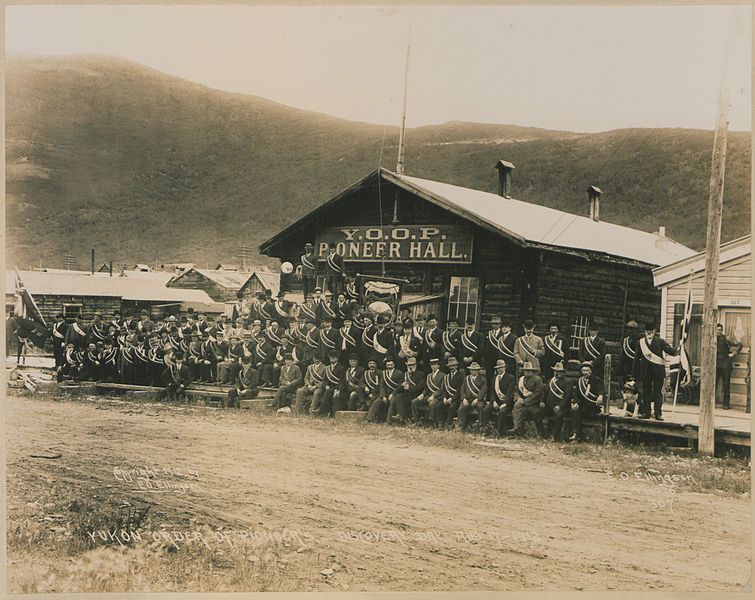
{"x":473,"y":254}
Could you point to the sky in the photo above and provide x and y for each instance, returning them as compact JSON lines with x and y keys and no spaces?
{"x":579,"y":68}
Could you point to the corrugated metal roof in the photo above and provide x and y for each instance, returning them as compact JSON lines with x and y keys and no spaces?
{"x":127,"y":288}
{"x":542,"y":225}
{"x":731,"y":250}
{"x":231,"y":280}
{"x":272,"y":281}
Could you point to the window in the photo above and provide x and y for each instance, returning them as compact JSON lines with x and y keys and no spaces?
{"x":71,"y":310}
{"x":462,"y":299}
{"x":578,"y":332}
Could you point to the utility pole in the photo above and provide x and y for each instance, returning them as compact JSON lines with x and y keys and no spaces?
{"x":706,"y":428}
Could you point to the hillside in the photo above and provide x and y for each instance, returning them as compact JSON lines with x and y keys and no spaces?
{"x":102,"y":152}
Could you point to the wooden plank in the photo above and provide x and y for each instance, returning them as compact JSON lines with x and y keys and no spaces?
{"x":350,"y":415}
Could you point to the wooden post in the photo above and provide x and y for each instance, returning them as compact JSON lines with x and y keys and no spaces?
{"x":607,"y":390}
{"x":708,"y":351}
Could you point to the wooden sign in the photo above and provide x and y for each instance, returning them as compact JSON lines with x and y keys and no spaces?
{"x":392,"y":243}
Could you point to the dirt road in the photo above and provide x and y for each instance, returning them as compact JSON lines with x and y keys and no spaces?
{"x":386,"y":514}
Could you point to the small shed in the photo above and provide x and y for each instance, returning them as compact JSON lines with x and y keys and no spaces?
{"x":734,"y":304}
{"x":259,"y":281}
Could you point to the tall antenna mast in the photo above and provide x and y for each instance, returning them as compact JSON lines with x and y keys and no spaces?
{"x":401,"y":138}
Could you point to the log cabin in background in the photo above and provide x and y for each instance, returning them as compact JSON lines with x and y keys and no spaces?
{"x":468,"y":253}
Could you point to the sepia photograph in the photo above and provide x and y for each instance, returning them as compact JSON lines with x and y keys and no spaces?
{"x":380,"y":297}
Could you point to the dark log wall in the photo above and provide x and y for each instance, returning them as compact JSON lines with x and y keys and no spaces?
{"x":571,"y":286}
{"x":50,"y":306}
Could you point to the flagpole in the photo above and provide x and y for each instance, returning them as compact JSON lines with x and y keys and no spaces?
{"x":683,"y":339}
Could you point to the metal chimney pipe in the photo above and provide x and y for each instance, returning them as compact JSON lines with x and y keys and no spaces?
{"x":92,"y":261}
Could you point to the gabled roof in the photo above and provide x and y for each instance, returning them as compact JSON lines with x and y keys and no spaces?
{"x":231,"y":280}
{"x":523,"y":222}
{"x":271,"y":281}
{"x":126,"y":288}
{"x":730,"y":251}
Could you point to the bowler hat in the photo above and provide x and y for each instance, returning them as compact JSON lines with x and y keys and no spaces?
{"x":475,"y":367}
{"x":559,"y":366}
{"x":528,"y":366}
{"x":500,"y":363}
{"x":452,"y":362}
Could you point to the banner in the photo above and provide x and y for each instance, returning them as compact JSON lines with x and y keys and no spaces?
{"x":393,"y":243}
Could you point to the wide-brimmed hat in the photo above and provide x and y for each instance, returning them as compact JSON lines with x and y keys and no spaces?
{"x":559,"y":366}
{"x":528,"y":366}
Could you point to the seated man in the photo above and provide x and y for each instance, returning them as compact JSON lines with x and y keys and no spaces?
{"x":369,"y":390}
{"x":247,"y":384}
{"x":325,"y":399}
{"x":473,"y":394}
{"x":431,"y":393}
{"x":313,"y":380}
{"x":352,"y":382}
{"x":558,"y":400}
{"x":231,"y":365}
{"x":71,"y":367}
{"x":290,"y":380}
{"x":501,"y":397}
{"x":587,"y":399}
{"x":530,"y":400}
{"x":410,"y":389}
{"x":176,"y":378}
{"x":390,"y":383}
{"x":442,"y":413}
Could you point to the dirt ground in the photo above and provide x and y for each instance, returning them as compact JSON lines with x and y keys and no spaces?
{"x":371,"y":512}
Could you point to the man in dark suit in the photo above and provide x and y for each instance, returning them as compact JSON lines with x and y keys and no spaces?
{"x":474,"y":391}
{"x":587,"y":399}
{"x":176,"y":378}
{"x":500,"y":398}
{"x":556,"y":347}
{"x":308,"y":269}
{"x":77,"y":334}
{"x":625,"y":363}
{"x":291,"y":379}
{"x":59,"y":330}
{"x":411,"y":388}
{"x":593,"y":348}
{"x":470,"y":345}
{"x":558,"y":400}
{"x":352,"y":381}
{"x":247,"y":384}
{"x":725,"y":351}
{"x":650,"y":371}
{"x":334,"y":270}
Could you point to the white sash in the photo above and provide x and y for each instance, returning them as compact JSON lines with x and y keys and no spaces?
{"x":555,"y":390}
{"x":522,"y":389}
{"x":78,"y":330}
{"x":649,"y":355}
{"x":628,"y":350}
{"x":591,"y":349}
{"x":584,"y":389}
{"x":556,"y":349}
{"x":377,"y":345}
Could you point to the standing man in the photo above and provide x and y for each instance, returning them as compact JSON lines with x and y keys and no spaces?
{"x":59,"y":330}
{"x":433,"y":339}
{"x":409,"y":345}
{"x":555,"y":350}
{"x":529,"y":348}
{"x":650,"y":371}
{"x":470,"y":345}
{"x":725,"y":351}
{"x":350,"y":339}
{"x":593,"y":348}
{"x":383,"y":341}
{"x":308,"y":269}
{"x":77,"y":334}
{"x":627,"y":354}
{"x":335,"y":270}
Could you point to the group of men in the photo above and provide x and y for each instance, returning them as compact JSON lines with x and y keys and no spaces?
{"x":328,"y":354}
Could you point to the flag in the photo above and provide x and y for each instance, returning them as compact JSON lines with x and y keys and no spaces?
{"x":686,"y":370}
